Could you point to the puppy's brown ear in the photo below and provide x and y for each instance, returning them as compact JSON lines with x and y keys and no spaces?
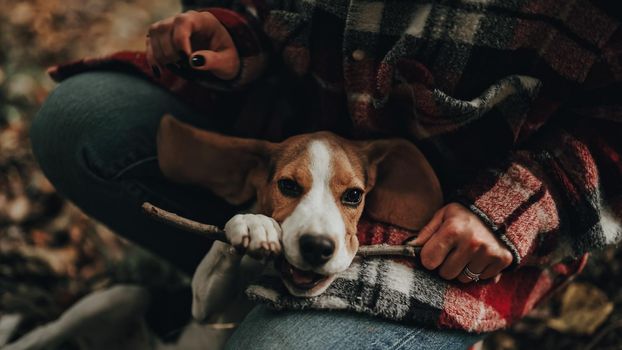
{"x":403,"y":188}
{"x":231,"y":167}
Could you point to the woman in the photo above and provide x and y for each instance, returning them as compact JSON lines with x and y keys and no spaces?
{"x":514,"y":104}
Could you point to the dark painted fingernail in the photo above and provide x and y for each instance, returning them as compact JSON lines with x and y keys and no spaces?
{"x":197,"y":60}
{"x":156,"y":71}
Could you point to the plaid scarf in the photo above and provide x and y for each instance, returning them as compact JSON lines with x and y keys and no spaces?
{"x":515,"y":103}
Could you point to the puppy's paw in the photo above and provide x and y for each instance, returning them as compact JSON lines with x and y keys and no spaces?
{"x":259,"y":235}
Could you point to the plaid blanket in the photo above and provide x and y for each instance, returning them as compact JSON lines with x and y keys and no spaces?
{"x":515,"y":103}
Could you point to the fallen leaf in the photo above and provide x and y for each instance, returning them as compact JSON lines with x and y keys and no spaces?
{"x":40,"y":238}
{"x":583,"y":309}
{"x":500,"y":341}
{"x":18,"y":209}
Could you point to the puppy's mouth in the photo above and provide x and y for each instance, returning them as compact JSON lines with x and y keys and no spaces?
{"x":304,"y":282}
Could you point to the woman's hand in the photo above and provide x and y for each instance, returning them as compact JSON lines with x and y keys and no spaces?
{"x":173,"y":39}
{"x":456,"y":239}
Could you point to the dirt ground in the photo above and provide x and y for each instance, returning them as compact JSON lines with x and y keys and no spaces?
{"x":51,"y":254}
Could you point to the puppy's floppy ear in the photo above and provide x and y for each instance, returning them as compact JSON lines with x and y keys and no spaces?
{"x":231,"y":167}
{"x":403,"y":188}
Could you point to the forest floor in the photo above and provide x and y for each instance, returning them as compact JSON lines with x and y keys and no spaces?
{"x":51,"y":254}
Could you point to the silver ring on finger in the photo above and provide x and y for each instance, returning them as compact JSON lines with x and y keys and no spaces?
{"x":470,"y":274}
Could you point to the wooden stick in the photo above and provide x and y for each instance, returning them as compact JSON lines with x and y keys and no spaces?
{"x":216,"y":233}
{"x":388,"y":250}
{"x":211,"y":231}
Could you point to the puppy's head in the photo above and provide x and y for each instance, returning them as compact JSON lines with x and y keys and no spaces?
{"x":315,"y":186}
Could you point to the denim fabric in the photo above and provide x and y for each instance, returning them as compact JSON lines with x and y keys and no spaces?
{"x":265,"y":329}
{"x":95,"y":140}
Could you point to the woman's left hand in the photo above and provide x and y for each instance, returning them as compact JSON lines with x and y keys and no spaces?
{"x":456,"y":239}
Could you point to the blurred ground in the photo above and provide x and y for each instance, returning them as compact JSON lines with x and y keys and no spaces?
{"x":51,"y":254}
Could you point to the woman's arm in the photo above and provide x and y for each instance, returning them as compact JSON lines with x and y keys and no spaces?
{"x":557,"y":196}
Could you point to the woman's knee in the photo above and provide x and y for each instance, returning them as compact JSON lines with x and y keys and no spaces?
{"x":59,"y":125}
{"x":94,"y":138}
{"x":75,"y":111}
{"x":104,"y":116}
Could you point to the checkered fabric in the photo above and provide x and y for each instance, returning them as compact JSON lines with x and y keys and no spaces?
{"x":517,"y":104}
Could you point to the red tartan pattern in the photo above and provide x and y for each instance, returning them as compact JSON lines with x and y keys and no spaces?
{"x":516,"y":104}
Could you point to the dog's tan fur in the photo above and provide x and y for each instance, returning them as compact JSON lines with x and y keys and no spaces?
{"x":403,"y":188}
{"x":400,"y":186}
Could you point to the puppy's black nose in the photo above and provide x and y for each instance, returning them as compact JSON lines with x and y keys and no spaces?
{"x":315,"y":249}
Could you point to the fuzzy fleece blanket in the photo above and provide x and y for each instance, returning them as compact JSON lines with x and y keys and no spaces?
{"x":400,"y":290}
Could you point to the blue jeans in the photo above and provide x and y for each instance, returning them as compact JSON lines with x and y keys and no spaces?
{"x":95,"y":140}
{"x":265,"y":329}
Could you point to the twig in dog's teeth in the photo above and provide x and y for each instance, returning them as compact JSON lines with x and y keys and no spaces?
{"x":216,"y":233}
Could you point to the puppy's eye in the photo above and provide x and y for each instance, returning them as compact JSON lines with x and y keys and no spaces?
{"x":289,"y":188}
{"x":352,"y":197}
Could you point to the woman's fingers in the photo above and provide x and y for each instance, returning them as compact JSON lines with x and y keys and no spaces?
{"x":455,"y":263}
{"x":156,"y":51}
{"x":222,"y":64}
{"x":436,"y":249}
{"x":487,"y":264}
{"x":476,"y":265}
{"x":204,"y":23}
{"x":429,"y":229}
{"x":173,"y":39}
{"x":220,"y":55}
{"x":150,"y":59}
{"x":500,"y":262}
{"x":164,"y":42}
{"x":455,"y":239}
{"x":181,"y":39}
{"x":168,"y":52}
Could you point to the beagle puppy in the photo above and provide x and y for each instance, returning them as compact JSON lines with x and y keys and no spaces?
{"x":310,"y":192}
